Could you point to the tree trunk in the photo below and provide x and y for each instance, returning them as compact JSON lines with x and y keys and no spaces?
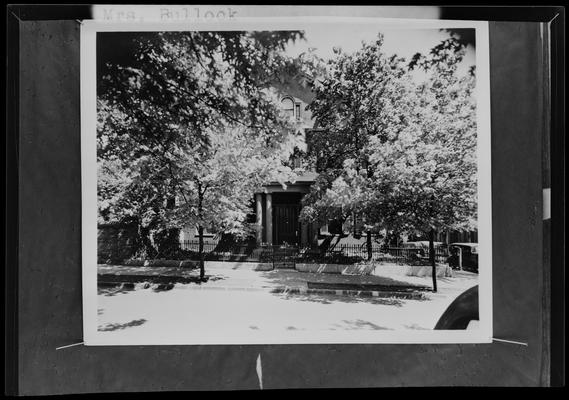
{"x":201,"y":252}
{"x":200,"y":233}
{"x":146,"y":246}
{"x":432,"y":257}
{"x":369,"y":246}
{"x":355,"y":222}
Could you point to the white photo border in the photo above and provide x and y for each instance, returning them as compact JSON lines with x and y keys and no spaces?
{"x":88,"y":76}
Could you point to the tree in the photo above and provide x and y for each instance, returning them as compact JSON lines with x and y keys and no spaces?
{"x":215,"y":188}
{"x":430,"y":167}
{"x":362,"y":97}
{"x":136,"y":194}
{"x":414,"y":166}
{"x":165,"y":116}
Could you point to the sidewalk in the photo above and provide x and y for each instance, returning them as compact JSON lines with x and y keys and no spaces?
{"x":244,"y":276}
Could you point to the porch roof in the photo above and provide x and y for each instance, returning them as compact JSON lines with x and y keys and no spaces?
{"x":302,"y":184}
{"x":307,"y":178}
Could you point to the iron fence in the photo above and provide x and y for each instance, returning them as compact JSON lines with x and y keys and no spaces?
{"x":338,"y":254}
{"x":381,"y":253}
{"x":216,"y":251}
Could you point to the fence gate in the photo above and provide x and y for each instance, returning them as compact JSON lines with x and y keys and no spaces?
{"x":284,"y":256}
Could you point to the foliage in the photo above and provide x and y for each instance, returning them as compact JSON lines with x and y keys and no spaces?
{"x":417,"y":141}
{"x":362,"y":98}
{"x":431,"y":167}
{"x":398,"y":154}
{"x":193,"y":121}
{"x":215,"y":188}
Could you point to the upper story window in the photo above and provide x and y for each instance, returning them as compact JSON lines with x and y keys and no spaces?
{"x":287,"y":105}
{"x":291,"y":108}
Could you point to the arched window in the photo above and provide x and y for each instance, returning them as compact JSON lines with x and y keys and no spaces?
{"x":287,"y":105}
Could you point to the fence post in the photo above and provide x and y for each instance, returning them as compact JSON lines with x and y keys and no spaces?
{"x":274,"y":254}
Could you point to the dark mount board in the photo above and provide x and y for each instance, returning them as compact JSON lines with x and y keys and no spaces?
{"x":49,"y":308}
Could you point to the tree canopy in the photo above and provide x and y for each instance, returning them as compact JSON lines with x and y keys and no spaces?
{"x":362,"y":98}
{"x":189,"y":129}
{"x":399,"y":154}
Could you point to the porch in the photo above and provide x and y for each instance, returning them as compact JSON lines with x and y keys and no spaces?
{"x":277,"y":212}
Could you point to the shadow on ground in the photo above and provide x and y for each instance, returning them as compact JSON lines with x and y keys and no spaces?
{"x":359,"y":324}
{"x":116,"y":327}
{"x":416,"y":327}
{"x":113,"y":291}
{"x":333,"y":298}
{"x":291,"y":278}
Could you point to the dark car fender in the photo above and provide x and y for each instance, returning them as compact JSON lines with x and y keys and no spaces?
{"x":461,"y":311}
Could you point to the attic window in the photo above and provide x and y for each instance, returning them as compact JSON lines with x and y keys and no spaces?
{"x":297,"y":111}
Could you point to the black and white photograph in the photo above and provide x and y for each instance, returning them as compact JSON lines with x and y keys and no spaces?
{"x":286,"y":181}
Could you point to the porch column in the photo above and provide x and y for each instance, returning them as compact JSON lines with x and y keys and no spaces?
{"x":259,"y":221}
{"x":269,"y":217}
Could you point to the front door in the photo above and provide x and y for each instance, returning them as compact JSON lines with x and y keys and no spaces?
{"x":285,"y":225}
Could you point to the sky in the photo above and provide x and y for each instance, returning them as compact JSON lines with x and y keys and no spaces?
{"x":118,"y":48}
{"x":403,"y":42}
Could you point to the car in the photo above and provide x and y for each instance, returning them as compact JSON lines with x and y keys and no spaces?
{"x":467,"y":252}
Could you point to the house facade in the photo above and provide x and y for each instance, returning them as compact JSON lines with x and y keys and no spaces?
{"x":277,"y":208}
